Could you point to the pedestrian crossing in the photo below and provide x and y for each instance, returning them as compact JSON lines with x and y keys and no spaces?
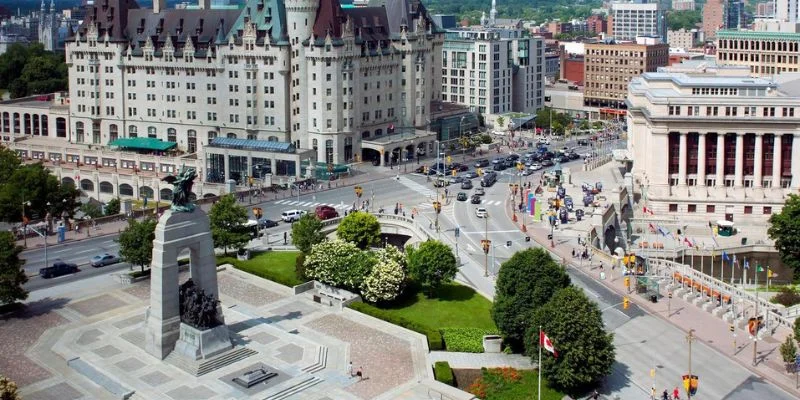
{"x":308,"y":204}
{"x":417,"y":187}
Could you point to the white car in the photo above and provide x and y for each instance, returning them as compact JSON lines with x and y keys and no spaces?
{"x":480,"y":212}
{"x":292,"y":215}
{"x":535,"y":166}
{"x":544,"y":140}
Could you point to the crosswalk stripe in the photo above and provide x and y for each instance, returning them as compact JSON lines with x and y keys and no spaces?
{"x":281,"y":202}
{"x":425,"y":191}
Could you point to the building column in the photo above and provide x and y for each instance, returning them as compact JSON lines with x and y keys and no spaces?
{"x":776,"y":162}
{"x":720,"y":160}
{"x":738,"y":179}
{"x":701,"y":159}
{"x":682,"y":159}
{"x":758,"y":160}
{"x":795,"y":161}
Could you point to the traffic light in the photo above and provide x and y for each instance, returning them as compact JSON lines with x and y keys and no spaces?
{"x":508,"y":243}
{"x":449,"y":160}
{"x":425,"y":170}
{"x":437,"y":206}
{"x":457,"y":232}
{"x":731,"y":328}
{"x":669,"y":294}
{"x":479,"y":171}
{"x":627,"y":281}
{"x":625,"y":303}
{"x":486,"y":244}
{"x":358,"y":191}
{"x":454,"y":172}
{"x":527,"y":238}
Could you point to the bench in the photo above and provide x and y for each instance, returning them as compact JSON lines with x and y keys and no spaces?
{"x":329,"y":296}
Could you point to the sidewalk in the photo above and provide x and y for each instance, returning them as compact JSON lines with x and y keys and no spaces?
{"x":481,"y":360}
{"x":711,"y":330}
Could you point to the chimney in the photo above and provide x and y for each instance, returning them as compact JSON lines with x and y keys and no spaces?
{"x":159,"y":5}
{"x":204,"y":4}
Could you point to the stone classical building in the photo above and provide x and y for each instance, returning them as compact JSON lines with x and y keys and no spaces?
{"x":709,"y":147}
{"x":609,"y":68}
{"x":765,"y":53}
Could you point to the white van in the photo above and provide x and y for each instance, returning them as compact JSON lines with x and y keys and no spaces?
{"x":292,"y":215}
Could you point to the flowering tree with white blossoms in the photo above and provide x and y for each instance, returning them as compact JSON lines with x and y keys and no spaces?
{"x":338,"y":263}
{"x":385,"y":281}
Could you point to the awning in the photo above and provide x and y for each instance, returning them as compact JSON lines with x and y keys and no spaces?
{"x":143,"y":144}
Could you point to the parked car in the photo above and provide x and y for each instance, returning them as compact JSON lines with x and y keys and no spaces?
{"x":466,"y":184}
{"x":480,"y":212}
{"x":479,"y":191}
{"x":292,"y":215}
{"x":59,"y":268}
{"x":461,"y":196}
{"x":475,"y":199}
{"x":324,"y":212}
{"x":265,"y":223}
{"x":104,"y":259}
{"x":482,"y":163}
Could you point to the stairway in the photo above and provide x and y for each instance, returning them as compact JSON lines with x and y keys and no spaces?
{"x":202,"y":367}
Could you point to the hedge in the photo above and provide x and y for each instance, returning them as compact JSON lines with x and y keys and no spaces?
{"x":465,"y":340}
{"x":443,"y":373}
{"x":434,"y":337}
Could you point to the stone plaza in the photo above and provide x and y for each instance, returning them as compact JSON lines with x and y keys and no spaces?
{"x":94,"y":348}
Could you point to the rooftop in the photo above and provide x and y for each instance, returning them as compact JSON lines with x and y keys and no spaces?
{"x":681,"y":79}
{"x":727,"y":34}
{"x":249,"y":144}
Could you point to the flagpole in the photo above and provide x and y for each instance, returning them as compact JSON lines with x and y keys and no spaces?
{"x":722,"y":269}
{"x":540,"y":363}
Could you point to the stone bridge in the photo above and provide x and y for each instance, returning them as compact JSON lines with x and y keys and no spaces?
{"x":390,"y":224}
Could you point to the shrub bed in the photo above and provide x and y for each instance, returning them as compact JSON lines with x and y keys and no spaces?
{"x":443,"y":373}
{"x":466,"y":340}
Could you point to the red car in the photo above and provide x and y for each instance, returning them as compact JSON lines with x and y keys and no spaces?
{"x":324,"y":212}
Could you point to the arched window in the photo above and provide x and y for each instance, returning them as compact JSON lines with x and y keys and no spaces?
{"x":152,"y":132}
{"x":79,"y":132}
{"x":106,"y":187}
{"x":191,"y":141}
{"x":125,"y":190}
{"x":273,"y":139}
{"x":231,"y":135}
{"x":132,"y":131}
{"x":211,"y":136}
{"x":113,"y":132}
{"x":172,"y":135}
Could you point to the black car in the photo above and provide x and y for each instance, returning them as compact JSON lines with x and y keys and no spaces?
{"x":59,"y":268}
{"x":482,"y":163}
{"x":475,"y":199}
{"x":583,"y":142}
{"x":267,"y":223}
{"x":459,"y":167}
{"x":514,"y":157}
{"x":461,"y":196}
{"x":547,"y":162}
{"x":574,"y":156}
{"x":499,"y":166}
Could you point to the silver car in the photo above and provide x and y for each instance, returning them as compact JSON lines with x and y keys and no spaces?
{"x":104,"y":259}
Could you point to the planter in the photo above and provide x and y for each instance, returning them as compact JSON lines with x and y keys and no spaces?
{"x":492,"y":344}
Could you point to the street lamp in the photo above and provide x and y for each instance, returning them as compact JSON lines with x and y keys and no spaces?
{"x":486,"y":244}
{"x":461,"y":136}
{"x":25,"y":221}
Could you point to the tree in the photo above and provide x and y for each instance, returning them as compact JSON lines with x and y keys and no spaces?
{"x":796,"y":328}
{"x":501,"y":121}
{"x":684,"y":19}
{"x":784,"y":229}
{"x":227,"y":223}
{"x":574,"y":324}
{"x":432,"y":264}
{"x":8,"y":389}
{"x":136,"y":242}
{"x":92,"y":210}
{"x":12,"y":276}
{"x":385,"y":281}
{"x":525,"y":282}
{"x":113,"y":206}
{"x":788,"y":352}
{"x":9,"y":162}
{"x":34,"y":185}
{"x":338,"y":263}
{"x":360,"y":228}
{"x":306,"y":232}
{"x":27,"y":70}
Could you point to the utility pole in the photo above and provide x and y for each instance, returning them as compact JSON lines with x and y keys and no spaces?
{"x":755,"y":315}
{"x":486,"y":244}
{"x":690,"y":339}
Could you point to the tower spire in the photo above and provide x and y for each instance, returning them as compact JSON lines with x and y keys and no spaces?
{"x":493,"y":13}
{"x":52,"y":6}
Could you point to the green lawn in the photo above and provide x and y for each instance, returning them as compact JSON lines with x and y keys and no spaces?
{"x":455,"y":306}
{"x":277,"y":266}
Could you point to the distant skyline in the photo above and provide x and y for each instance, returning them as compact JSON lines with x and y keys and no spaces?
{"x":26,"y":6}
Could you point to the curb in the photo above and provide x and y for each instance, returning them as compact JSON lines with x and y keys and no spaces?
{"x":66,"y":242}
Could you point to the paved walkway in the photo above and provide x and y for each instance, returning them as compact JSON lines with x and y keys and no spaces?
{"x":479,"y":360}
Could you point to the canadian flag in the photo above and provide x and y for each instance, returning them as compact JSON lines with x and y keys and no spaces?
{"x":545,"y":342}
{"x":647,"y":210}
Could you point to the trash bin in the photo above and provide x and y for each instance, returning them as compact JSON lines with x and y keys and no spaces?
{"x":744,"y":241}
{"x":654,"y":298}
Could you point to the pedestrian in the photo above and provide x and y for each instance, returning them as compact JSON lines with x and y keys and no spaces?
{"x":665,"y":395}
{"x":676,"y":394}
{"x":360,"y":375}
{"x":573,"y":252}
{"x":284,"y":239}
{"x":350,"y":369}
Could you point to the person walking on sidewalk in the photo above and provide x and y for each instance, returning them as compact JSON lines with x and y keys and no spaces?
{"x":676,"y":394}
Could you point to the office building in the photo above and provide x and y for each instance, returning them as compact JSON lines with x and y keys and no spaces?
{"x":493,"y":70}
{"x":734,"y":14}
{"x":707,"y":147}
{"x":713,"y":17}
{"x":597,"y":24}
{"x":627,"y":21}
{"x":683,"y":39}
{"x":765,"y":10}
{"x":609,"y":68}
{"x":683,"y":5}
{"x":765,"y":53}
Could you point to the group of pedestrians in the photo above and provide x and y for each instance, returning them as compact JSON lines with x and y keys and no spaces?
{"x":676,"y":394}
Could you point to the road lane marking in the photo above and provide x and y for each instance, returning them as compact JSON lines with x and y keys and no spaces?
{"x":482,"y":232}
{"x":85,"y":251}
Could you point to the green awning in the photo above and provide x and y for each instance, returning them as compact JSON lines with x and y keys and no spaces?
{"x":143,"y":144}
